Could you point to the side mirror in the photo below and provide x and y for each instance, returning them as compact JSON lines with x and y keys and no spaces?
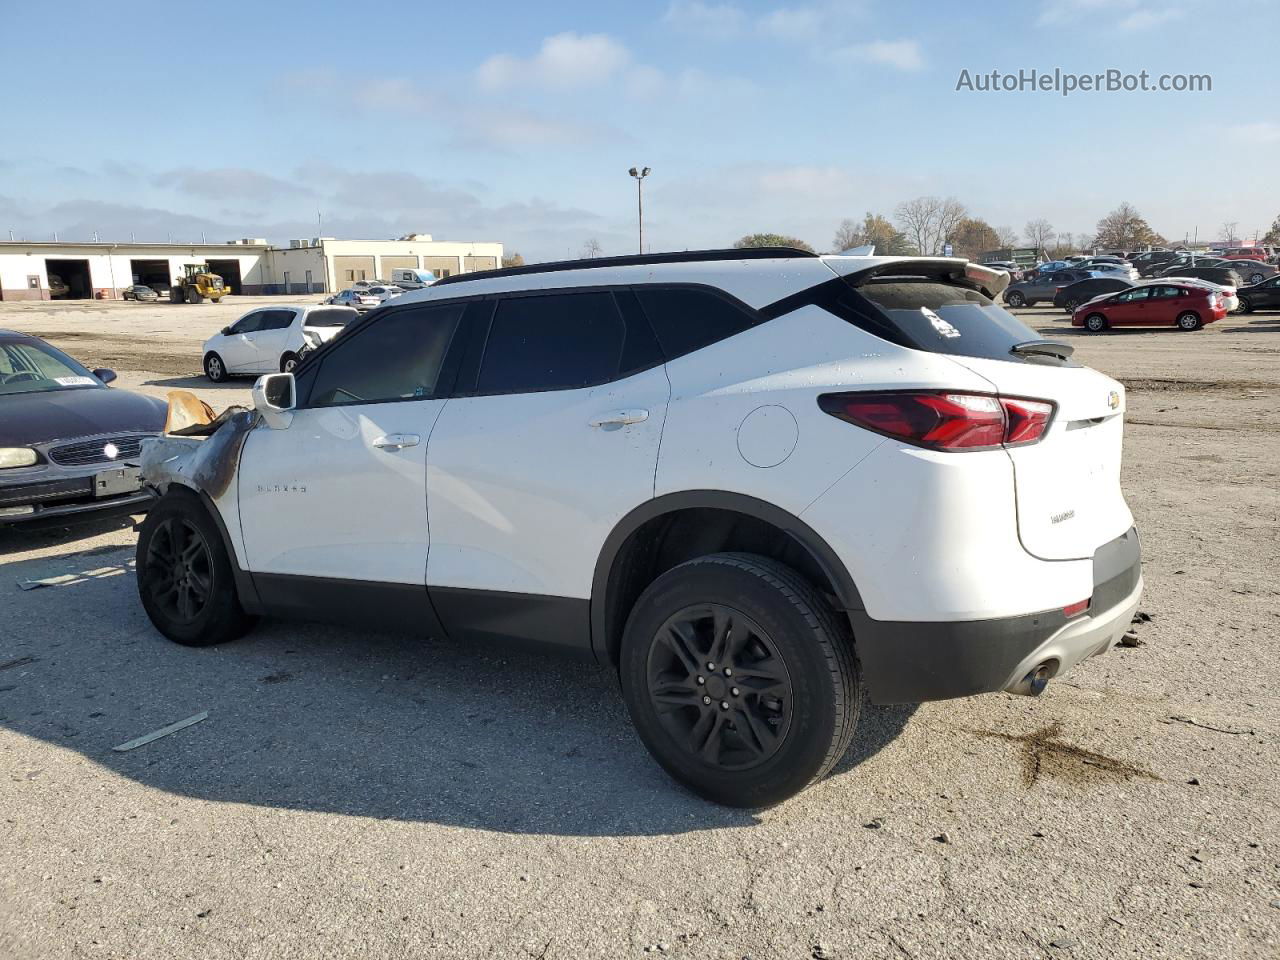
{"x":274,"y":396}
{"x":105,"y":375}
{"x":225,"y":331}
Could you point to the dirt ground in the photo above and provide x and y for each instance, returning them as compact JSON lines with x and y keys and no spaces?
{"x":377,"y":795}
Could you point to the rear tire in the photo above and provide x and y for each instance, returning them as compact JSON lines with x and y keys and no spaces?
{"x":1015,"y":299}
{"x":215,"y":368}
{"x":1095,"y":323}
{"x":1245,"y":306}
{"x":1070,"y":305}
{"x":779,"y":694}
{"x":1256,"y":278}
{"x":1188,"y":321}
{"x":288,"y":362}
{"x":175,"y":295}
{"x":185,"y":579}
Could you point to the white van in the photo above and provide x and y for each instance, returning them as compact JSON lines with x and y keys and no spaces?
{"x":411,"y":278}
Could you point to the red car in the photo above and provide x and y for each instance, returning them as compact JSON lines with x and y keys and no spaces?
{"x":1244,"y":253}
{"x":1178,"y":305}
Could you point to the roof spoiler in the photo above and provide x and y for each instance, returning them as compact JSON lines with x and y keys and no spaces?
{"x":956,"y":270}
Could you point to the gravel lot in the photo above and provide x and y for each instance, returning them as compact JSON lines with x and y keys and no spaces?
{"x":382,"y":796}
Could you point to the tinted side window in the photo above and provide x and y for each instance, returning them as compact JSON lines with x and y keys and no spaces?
{"x":687,"y":319}
{"x":553,"y":342}
{"x":251,"y":323}
{"x":398,"y":357}
{"x":276,"y":319}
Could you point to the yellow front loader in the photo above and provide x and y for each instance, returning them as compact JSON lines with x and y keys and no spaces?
{"x":196,"y":284}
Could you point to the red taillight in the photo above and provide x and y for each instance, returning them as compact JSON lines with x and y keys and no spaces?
{"x":1073,"y":609}
{"x":944,"y":421}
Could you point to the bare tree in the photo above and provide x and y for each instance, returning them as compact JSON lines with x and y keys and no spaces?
{"x":513,"y":259}
{"x":1039,"y":233}
{"x":928,"y":221}
{"x":1007,"y":237}
{"x":848,"y":235}
{"x":1124,"y":229}
{"x":591,"y":249}
{"x":1231,"y":233}
{"x":874,"y":230}
{"x":1064,"y":244}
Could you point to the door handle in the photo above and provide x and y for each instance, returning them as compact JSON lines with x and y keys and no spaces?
{"x":397,"y":441}
{"x":620,"y":418}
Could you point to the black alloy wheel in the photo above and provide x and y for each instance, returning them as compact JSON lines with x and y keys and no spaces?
{"x":720,"y":687}
{"x":179,"y":570}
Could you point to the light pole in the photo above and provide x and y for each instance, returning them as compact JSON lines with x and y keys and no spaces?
{"x":640,"y":174}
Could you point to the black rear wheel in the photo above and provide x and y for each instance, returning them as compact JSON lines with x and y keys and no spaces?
{"x":740,"y":678}
{"x":1188,"y":321}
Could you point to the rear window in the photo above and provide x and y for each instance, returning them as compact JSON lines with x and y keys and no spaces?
{"x":330,"y":317}
{"x":938,"y":317}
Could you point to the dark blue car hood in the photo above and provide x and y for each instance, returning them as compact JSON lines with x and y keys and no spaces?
{"x":31,"y":418}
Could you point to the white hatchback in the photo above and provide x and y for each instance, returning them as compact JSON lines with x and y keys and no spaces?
{"x":271,"y":339}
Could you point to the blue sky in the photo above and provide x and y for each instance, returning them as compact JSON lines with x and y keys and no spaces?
{"x":518,"y":122}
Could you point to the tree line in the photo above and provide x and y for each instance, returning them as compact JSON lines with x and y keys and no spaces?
{"x":925,"y":225}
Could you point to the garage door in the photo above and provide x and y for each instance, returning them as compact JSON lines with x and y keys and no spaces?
{"x":347,"y":270}
{"x":441,"y":266}
{"x":390,"y":263}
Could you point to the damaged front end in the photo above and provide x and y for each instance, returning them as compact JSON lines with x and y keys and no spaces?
{"x":199,"y":450}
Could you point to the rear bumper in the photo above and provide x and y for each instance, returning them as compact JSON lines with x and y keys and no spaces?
{"x":910,"y":662}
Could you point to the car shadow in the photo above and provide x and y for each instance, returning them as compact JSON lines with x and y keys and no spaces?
{"x":43,"y":534}
{"x":339,"y":721}
{"x":199,"y":381}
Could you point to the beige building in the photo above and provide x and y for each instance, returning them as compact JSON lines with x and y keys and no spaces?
{"x":86,"y":271}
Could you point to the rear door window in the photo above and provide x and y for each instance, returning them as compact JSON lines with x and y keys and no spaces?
{"x":688,"y":318}
{"x":330,"y":317}
{"x":552,"y":342}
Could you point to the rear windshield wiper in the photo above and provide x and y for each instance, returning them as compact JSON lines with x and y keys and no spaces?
{"x":1043,"y":348}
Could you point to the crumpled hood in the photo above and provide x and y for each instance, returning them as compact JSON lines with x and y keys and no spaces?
{"x":31,"y":418}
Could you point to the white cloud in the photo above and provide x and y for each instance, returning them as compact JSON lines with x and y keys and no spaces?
{"x":902,"y":54}
{"x":564,"y":61}
{"x":1260,"y":132}
{"x":721,"y":21}
{"x":793,"y":23}
{"x":1125,"y":15}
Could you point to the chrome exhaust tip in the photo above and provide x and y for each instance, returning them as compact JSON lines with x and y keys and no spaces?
{"x":1034,"y":683}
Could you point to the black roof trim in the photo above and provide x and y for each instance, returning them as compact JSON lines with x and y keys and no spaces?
{"x":597,"y":263}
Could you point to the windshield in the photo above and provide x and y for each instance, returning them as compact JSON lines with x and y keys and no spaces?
{"x":30,"y":367}
{"x":332,"y":317}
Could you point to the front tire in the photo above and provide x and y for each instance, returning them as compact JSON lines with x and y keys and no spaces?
{"x":1188,"y":321}
{"x":215,"y":368}
{"x":1256,"y":278}
{"x":740,"y":678}
{"x":1245,"y":306}
{"x":1070,"y":305}
{"x":1015,"y":299}
{"x":1095,"y":323}
{"x":185,"y":579}
{"x":193,"y":295}
{"x":288,"y":362}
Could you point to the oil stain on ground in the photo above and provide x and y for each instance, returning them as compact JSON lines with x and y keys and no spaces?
{"x":1045,"y":754}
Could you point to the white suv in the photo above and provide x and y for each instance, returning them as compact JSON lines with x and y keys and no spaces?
{"x":758,"y":483}
{"x":271,"y":338}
